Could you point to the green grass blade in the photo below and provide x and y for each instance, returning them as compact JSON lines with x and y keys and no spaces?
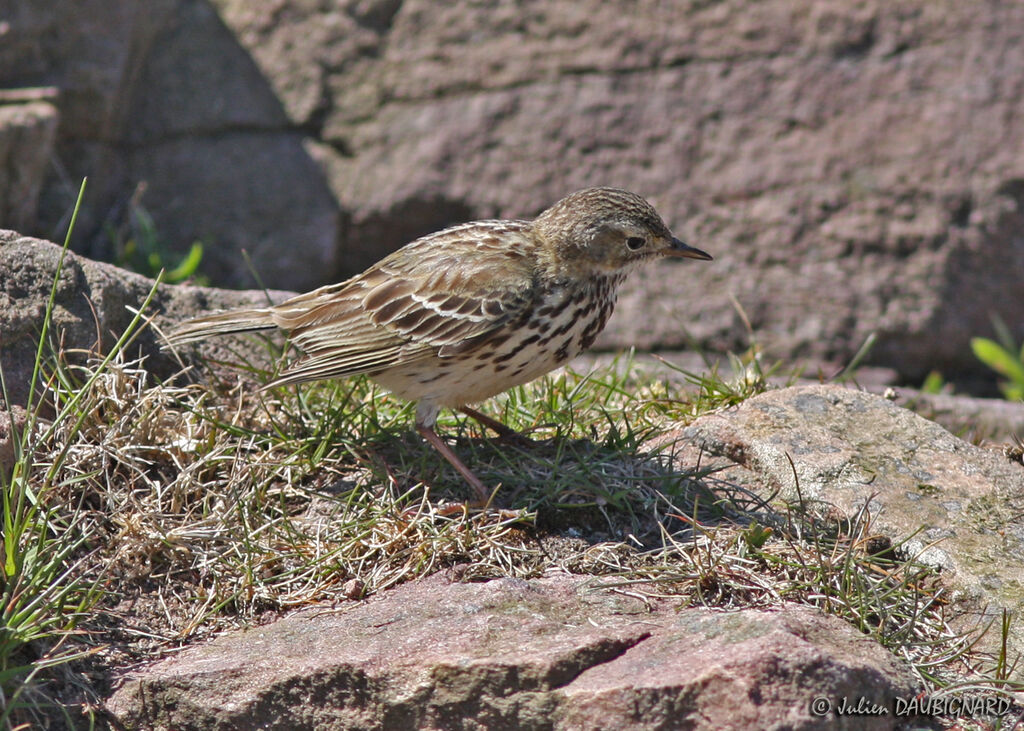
{"x":998,"y":359}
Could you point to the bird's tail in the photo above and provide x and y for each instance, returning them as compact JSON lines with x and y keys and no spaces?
{"x":223,"y":323}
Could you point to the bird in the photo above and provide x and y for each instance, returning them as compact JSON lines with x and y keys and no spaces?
{"x":465,"y":313}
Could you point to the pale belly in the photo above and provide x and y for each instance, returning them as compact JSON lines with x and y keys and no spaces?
{"x":562,"y":325}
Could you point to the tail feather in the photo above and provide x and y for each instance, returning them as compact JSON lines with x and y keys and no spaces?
{"x":223,"y":323}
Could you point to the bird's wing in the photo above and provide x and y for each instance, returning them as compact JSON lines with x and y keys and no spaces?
{"x":444,"y":294}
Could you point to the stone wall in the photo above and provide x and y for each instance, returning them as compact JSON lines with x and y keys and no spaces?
{"x":853,"y":167}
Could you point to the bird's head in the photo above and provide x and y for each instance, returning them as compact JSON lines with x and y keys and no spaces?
{"x":606,"y":230}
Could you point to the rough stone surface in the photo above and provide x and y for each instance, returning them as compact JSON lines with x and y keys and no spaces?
{"x":27,"y":134}
{"x":990,"y":418}
{"x":91,"y":309}
{"x":556,"y":653}
{"x":951,"y":504}
{"x":12,"y":423}
{"x":159,"y":93}
{"x":854,"y":167}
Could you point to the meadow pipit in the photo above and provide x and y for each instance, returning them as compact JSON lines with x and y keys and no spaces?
{"x":465,"y":313}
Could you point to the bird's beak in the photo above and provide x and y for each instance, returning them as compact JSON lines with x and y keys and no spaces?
{"x":679,"y":250}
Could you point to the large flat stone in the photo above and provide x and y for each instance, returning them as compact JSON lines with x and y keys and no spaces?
{"x":556,"y":653}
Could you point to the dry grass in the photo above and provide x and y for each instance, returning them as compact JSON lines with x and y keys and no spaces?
{"x":186,"y":509}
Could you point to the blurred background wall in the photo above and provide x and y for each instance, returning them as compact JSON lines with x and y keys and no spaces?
{"x":854,"y":167}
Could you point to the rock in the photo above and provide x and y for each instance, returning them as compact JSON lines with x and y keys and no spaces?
{"x":948,"y":503}
{"x":989,"y":418}
{"x":551,"y":653}
{"x":160,"y":94}
{"x":27,"y":133}
{"x":207,"y":123}
{"x":854,"y":168}
{"x":12,"y":423}
{"x":92,"y":309}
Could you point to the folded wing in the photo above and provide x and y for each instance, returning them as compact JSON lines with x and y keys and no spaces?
{"x":441,"y":295}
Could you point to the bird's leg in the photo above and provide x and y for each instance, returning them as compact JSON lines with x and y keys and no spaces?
{"x":428,"y":433}
{"x":505,"y":433}
{"x":426,"y":417}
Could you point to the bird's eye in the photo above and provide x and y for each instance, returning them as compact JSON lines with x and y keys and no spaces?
{"x":635,"y":243}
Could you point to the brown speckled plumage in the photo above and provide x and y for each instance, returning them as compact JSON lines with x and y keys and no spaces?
{"x":463,"y":314}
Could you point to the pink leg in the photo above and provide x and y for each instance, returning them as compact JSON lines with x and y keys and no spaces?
{"x":483,"y":494}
